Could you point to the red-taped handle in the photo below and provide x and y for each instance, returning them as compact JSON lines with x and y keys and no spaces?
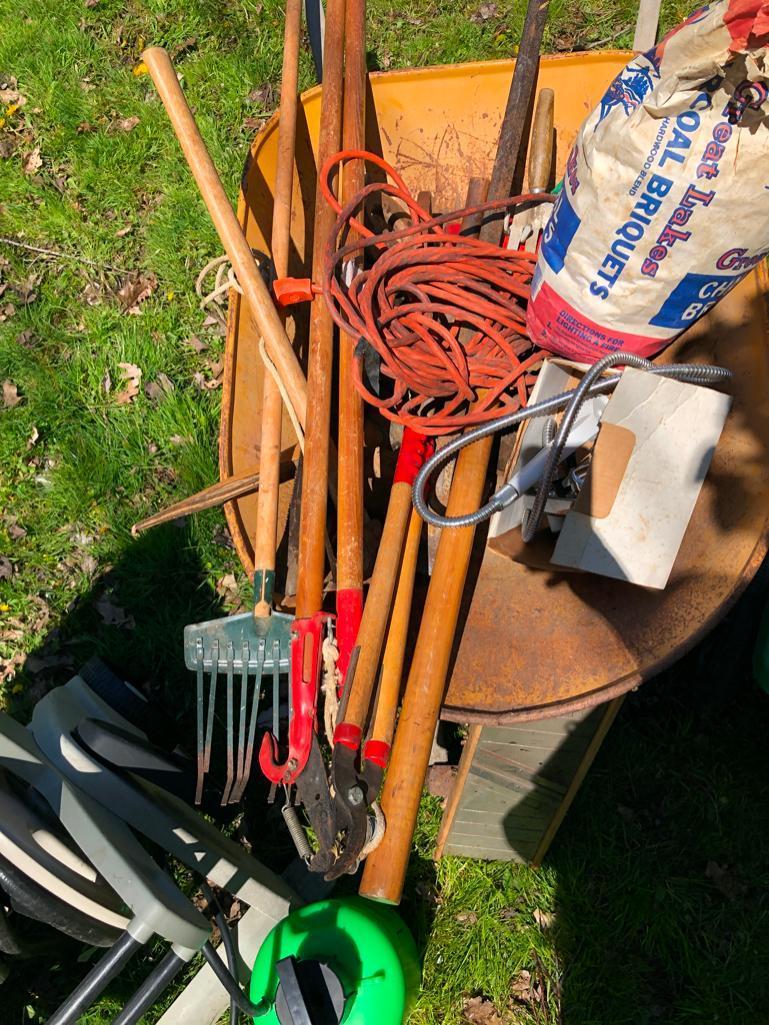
{"x":415,"y":449}
{"x":348,"y":734}
{"x":376,"y":751}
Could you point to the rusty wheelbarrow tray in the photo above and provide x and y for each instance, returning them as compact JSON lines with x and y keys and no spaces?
{"x":534,"y":643}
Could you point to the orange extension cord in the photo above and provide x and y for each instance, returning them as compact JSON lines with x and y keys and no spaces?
{"x":424,"y":286}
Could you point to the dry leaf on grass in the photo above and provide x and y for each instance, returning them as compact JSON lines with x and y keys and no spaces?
{"x":32,"y":162}
{"x":195,"y":343}
{"x":132,"y":375}
{"x":9,"y":92}
{"x":6,"y":568}
{"x":15,"y":532}
{"x":726,"y":880}
{"x":7,"y":311}
{"x":178,"y":439}
{"x":127,"y":124}
{"x":216,"y":370}
{"x":480,"y":1011}
{"x":9,"y":666}
{"x":227,"y":589}
{"x":264,"y":95}
{"x":156,"y":389}
{"x":134,"y":290}
{"x":112,"y":614}
{"x":37,"y":663}
{"x":544,"y":919}
{"x":11,"y":395}
{"x":27,"y":338}
{"x":486,"y":12}
{"x":122,"y":232}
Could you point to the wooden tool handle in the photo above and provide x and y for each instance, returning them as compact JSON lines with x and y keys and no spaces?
{"x":266,"y":539}
{"x":376,"y":611}
{"x":391,"y":676}
{"x":260,"y":304}
{"x":385,"y":869}
{"x":541,"y":145}
{"x":311,"y":562}
{"x":349,"y":558}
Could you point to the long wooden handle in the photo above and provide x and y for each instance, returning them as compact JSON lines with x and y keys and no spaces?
{"x":541,"y":146}
{"x":376,"y":611}
{"x":383,"y":726}
{"x":266,"y":538}
{"x":385,"y":870}
{"x":260,"y":304}
{"x":312,"y":542}
{"x":349,"y":557}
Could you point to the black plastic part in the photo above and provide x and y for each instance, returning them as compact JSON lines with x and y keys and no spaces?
{"x":9,"y":941}
{"x":97,"y":980}
{"x":119,"y":749}
{"x":309,"y":993}
{"x":128,"y":702}
{"x":313,"y":12}
{"x":32,"y":900}
{"x":156,"y":983}
{"x":230,"y":983}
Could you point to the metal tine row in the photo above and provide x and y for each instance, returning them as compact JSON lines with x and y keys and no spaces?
{"x":239,"y":762}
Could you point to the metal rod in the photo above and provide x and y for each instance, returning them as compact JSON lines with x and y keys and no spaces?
{"x":97,"y":980}
{"x":156,"y":983}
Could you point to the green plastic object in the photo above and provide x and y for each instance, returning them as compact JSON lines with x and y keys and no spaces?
{"x":366,"y":946}
{"x":761,"y":654}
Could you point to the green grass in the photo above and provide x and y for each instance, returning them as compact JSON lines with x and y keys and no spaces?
{"x":626,"y":923}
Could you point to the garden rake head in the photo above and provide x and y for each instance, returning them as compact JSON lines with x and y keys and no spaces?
{"x":244,"y":647}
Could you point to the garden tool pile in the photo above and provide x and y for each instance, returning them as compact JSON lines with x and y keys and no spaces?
{"x":423,"y":321}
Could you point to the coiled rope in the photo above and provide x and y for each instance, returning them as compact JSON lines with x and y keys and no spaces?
{"x":445,"y":312}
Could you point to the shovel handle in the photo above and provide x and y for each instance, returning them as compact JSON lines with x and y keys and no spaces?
{"x":541,"y":146}
{"x":383,"y":726}
{"x":266,"y":538}
{"x":257,"y":295}
{"x":376,"y":611}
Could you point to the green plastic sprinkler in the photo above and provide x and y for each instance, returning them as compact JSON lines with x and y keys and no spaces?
{"x":337,"y":962}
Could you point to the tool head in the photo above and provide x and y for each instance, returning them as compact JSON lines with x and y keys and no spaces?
{"x":245,"y":632}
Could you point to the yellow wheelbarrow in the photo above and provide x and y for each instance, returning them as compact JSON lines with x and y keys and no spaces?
{"x":533,"y":643}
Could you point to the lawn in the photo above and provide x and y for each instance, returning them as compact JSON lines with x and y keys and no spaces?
{"x":652,"y":905}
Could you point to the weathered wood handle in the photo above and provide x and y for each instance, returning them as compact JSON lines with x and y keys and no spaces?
{"x":385,"y":870}
{"x":311,"y":561}
{"x":266,"y":537}
{"x":376,"y":611}
{"x":261,"y":307}
{"x":394,"y":656}
{"x":541,"y":146}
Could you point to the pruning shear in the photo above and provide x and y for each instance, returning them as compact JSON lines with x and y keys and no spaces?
{"x":357,"y":786}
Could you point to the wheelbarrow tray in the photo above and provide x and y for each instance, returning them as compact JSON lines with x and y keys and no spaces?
{"x":533,"y":643}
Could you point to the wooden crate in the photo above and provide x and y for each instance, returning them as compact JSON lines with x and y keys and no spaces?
{"x":515,"y":784}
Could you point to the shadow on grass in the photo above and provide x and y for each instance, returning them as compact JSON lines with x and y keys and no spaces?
{"x":162,"y":586}
{"x":662,"y":866}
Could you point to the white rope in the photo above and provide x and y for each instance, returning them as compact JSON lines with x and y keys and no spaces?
{"x":212,"y":302}
{"x":331,"y":678}
{"x":378,"y":833}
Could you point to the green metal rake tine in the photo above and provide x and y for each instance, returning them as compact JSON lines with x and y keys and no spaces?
{"x":230,"y":724}
{"x":211,"y":704}
{"x":240,"y":785}
{"x":201,"y":706}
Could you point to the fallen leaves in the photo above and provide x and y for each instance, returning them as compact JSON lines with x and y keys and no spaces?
{"x":480,"y":1011}
{"x":263,"y":95}
{"x":127,"y":124}
{"x":113,"y":615}
{"x":486,"y":12}
{"x":9,"y":93}
{"x":11,"y":395}
{"x":32,"y":162}
{"x":725,"y":879}
{"x":135,"y":289}
{"x":227,"y":589}
{"x":196,"y":344}
{"x":6,"y":568}
{"x":544,"y":919}
{"x":157,"y":389}
{"x":215,"y":370}
{"x":132,"y":375}
{"x":27,"y":338}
